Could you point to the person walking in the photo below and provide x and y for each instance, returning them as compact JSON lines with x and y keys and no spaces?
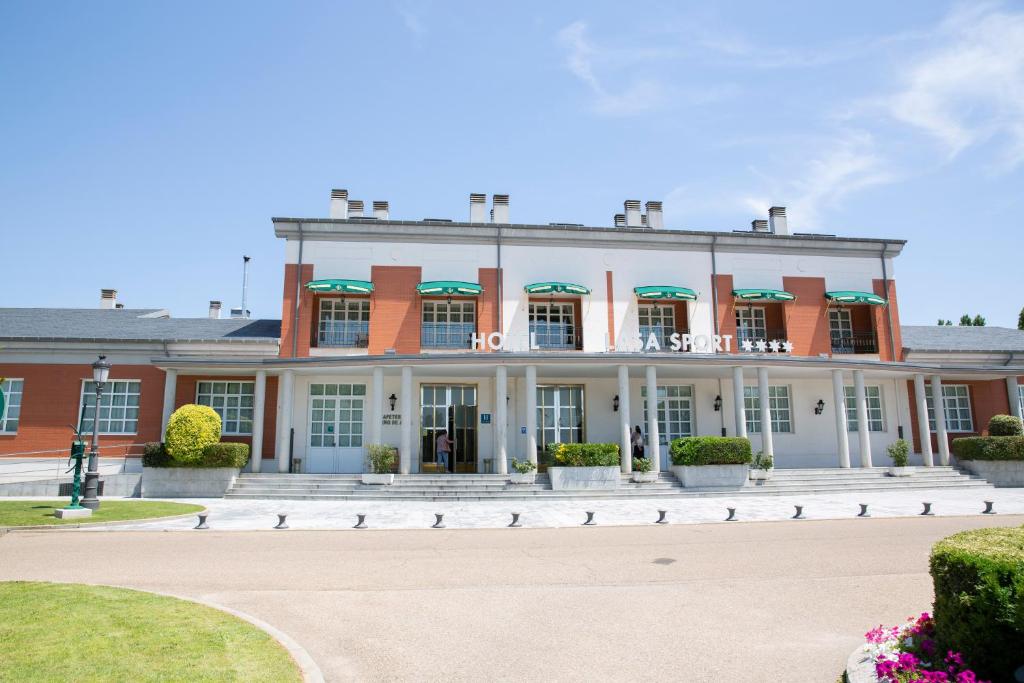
{"x":638,"y":443}
{"x":444,"y":447}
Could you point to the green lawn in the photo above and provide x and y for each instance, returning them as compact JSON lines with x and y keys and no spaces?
{"x":73,"y":632}
{"x":33,"y":512}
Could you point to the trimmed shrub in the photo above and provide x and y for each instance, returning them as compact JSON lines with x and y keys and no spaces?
{"x":523,"y":466}
{"x":585,"y":454}
{"x":642,"y":465}
{"x":711,"y":450}
{"x":224,"y":454}
{"x":155,"y":455}
{"x":979,"y":599}
{"x":191,"y":429}
{"x":1005,"y":425}
{"x":899,"y":451}
{"x":380,"y":459}
{"x":989,"y":448}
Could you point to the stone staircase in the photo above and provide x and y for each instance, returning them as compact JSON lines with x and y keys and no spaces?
{"x":477,"y":487}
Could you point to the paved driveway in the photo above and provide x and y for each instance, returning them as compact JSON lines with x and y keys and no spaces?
{"x":776,"y":601}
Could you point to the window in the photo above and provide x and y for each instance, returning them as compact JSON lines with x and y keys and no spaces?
{"x":778,"y":403}
{"x":336,"y":415}
{"x":448,"y":325}
{"x":233,"y":401}
{"x":750,"y":323}
{"x":559,"y":415}
{"x":675,"y":411}
{"x":875,"y":414}
{"x":553,"y":325}
{"x":344,"y":322}
{"x":659,"y":321}
{"x":119,"y":412}
{"x":13,"y":389}
{"x":956,"y":401}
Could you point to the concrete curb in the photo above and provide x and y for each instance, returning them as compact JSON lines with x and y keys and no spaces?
{"x":860,"y":668}
{"x":86,"y":525}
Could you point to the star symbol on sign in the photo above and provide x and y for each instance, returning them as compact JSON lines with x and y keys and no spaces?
{"x":747,"y":345}
{"x":774,"y":345}
{"x":762,"y":346}
{"x":787,"y":346}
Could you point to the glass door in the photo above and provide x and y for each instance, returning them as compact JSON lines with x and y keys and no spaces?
{"x":450,"y":407}
{"x":559,"y":416}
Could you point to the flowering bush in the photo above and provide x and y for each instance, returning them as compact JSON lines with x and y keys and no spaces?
{"x":907,"y":653}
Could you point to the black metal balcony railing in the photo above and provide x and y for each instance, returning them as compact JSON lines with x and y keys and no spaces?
{"x":747,"y":334}
{"x":447,"y":335}
{"x":854,"y":342}
{"x":344,"y":334}
{"x":662,"y":333}
{"x":555,"y":335}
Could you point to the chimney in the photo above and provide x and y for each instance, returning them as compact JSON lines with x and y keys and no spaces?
{"x":655,"y":220}
{"x":355,"y":208}
{"x":380,"y":211}
{"x":777,"y":220}
{"x":620,"y":220}
{"x":214,"y":309}
{"x":108,"y":298}
{"x":500,"y":212}
{"x":339,"y":203}
{"x":238,"y":313}
{"x":632,"y":213}
{"x":759,"y":225}
{"x":119,"y":306}
{"x":477,"y":208}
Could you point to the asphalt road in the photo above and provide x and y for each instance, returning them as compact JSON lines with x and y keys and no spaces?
{"x":769,"y":601}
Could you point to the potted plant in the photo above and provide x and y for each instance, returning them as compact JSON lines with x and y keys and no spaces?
{"x":582,"y":466}
{"x":711,"y":461}
{"x":642,"y":473}
{"x":525,"y":472}
{"x":380,"y":460}
{"x":899,"y":451}
{"x":762,"y":467}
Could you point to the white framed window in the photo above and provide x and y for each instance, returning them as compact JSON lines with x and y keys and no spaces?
{"x":448,"y":325}
{"x":119,"y":413}
{"x":750,"y":323}
{"x":876,"y":416}
{"x":553,"y":325}
{"x":344,"y":322}
{"x":336,"y":415}
{"x":11,"y":414}
{"x":778,"y":402}
{"x":840,"y":324}
{"x":956,"y":401}
{"x":233,"y":401}
{"x":675,"y":411}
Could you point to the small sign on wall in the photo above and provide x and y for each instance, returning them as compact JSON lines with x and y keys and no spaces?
{"x":391,"y":419}
{"x":522,"y":430}
{"x":485,"y":418}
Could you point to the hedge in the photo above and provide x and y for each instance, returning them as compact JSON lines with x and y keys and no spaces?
{"x":155,"y":455}
{"x":1005,"y":425}
{"x":585,"y":454}
{"x":220,"y":454}
{"x":190,"y":429}
{"x":989,"y":448}
{"x":979,"y":599}
{"x":711,"y":450}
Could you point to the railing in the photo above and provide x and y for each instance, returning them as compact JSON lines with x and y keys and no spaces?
{"x":662,"y":333}
{"x":555,"y":335}
{"x":447,"y":335}
{"x":344,"y":333}
{"x":746,"y":334}
{"x":854,"y":342}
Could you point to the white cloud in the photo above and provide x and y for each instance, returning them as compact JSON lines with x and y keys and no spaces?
{"x":412,"y":22}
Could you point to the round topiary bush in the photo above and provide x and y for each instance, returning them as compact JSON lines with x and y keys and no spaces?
{"x":190,"y":430}
{"x":1005,"y":425}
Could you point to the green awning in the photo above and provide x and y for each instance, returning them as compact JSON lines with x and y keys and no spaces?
{"x":763,"y":295}
{"x":555,"y":288}
{"x":343,"y":286}
{"x":852,"y":297}
{"x":665,"y":292}
{"x":449,"y":287}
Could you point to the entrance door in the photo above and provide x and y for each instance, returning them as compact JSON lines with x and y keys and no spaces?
{"x":559,"y":416}
{"x":335,"y":428}
{"x":451,"y":407}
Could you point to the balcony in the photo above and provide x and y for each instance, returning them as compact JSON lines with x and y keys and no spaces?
{"x":854,"y":342}
{"x":555,"y":335}
{"x":353,"y":334}
{"x":662,"y":333}
{"x":447,"y":335}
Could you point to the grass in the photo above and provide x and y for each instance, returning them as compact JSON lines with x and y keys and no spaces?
{"x":73,"y":632}
{"x":36,"y":512}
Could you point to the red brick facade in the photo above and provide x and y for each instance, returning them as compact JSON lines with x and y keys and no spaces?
{"x":395,"y":309}
{"x":806,"y":317}
{"x":306,"y":312}
{"x":726,"y":308}
{"x":185,"y":392}
{"x":881,"y":322}
{"x":988,"y":398}
{"x":489,"y":305}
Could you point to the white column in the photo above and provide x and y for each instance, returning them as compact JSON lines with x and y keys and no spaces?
{"x":284,"y":402}
{"x":376,"y":412}
{"x":842,"y":427}
{"x":737,"y":402}
{"x":531,"y":413}
{"x":405,"y":447}
{"x":501,"y":419}
{"x":863,"y":432}
{"x":1013,"y":393}
{"x":924,"y":434}
{"x":259,"y":400}
{"x":170,"y":388}
{"x":765,"y":405}
{"x":626,"y":453}
{"x":653,"y":437}
{"x":940,"y":420}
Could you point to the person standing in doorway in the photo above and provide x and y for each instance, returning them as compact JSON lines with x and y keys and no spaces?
{"x":638,"y":443}
{"x":444,"y":447}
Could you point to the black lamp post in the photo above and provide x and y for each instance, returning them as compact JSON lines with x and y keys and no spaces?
{"x":718,"y":403}
{"x":392,"y":399}
{"x":100,"y":373}
{"x":820,"y":407}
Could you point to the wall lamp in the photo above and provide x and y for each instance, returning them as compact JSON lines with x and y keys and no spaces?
{"x":718,"y":403}
{"x":820,"y":407}
{"x":392,"y":399}
{"x":615,"y":403}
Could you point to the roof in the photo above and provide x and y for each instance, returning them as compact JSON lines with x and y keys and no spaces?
{"x":964,"y":339}
{"x":128,"y":324}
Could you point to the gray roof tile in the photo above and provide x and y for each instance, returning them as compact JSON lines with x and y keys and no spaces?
{"x":962,"y":339}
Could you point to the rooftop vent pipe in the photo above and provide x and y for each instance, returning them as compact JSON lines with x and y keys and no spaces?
{"x":380,"y":211}
{"x":759,"y":225}
{"x":477,"y":208}
{"x":214,"y":309}
{"x":632,"y":213}
{"x":620,"y":220}
{"x":655,"y":218}
{"x":777,"y":220}
{"x":108,"y":298}
{"x":499,"y":213}
{"x":339,"y":203}
{"x":355,"y":208}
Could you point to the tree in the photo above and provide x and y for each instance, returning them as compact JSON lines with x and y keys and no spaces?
{"x":965,"y":320}
{"x":979,"y":321}
{"x":1020,"y":320}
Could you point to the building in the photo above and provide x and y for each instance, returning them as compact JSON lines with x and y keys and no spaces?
{"x":513,"y":337}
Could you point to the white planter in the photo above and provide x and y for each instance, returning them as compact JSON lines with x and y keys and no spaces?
{"x":999,"y":473}
{"x":523,"y":477}
{"x":711,"y":476}
{"x":761,"y":475}
{"x":644,"y":477}
{"x":187,"y":482}
{"x":374,"y":478}
{"x":583,"y":478}
{"x":900,"y":471}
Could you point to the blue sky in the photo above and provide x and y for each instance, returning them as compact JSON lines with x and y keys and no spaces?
{"x":145,"y":146}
